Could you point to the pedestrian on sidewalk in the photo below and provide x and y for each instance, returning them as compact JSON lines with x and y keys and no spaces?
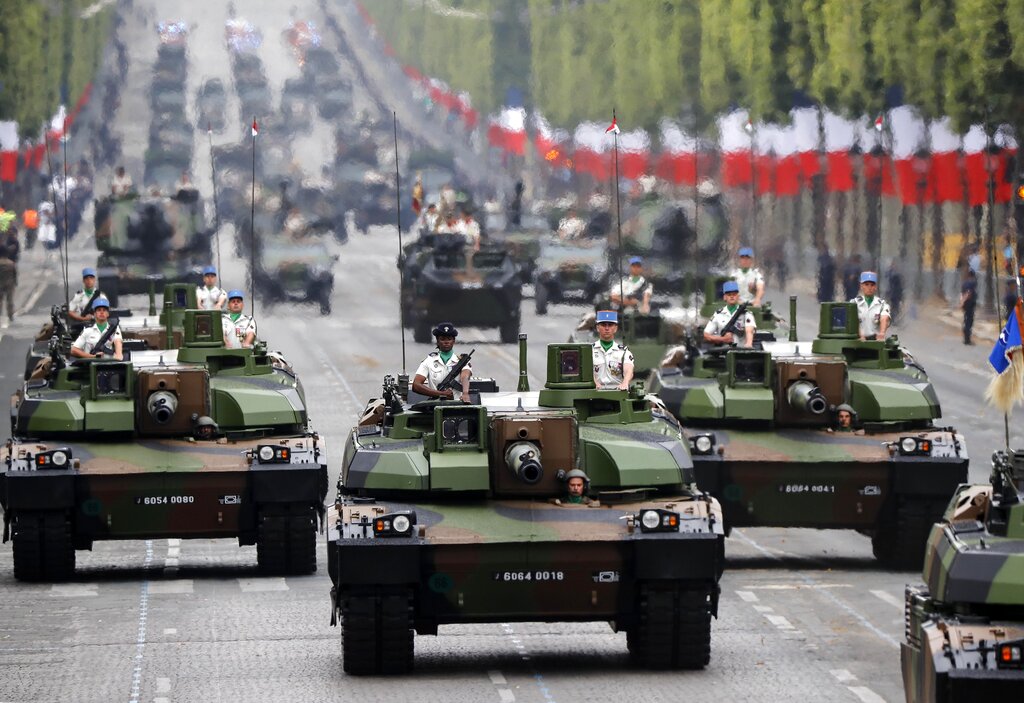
{"x":851,"y":277}
{"x":9,"y":250}
{"x":894,"y":287}
{"x":826,"y":276}
{"x":1010,"y":299}
{"x":968,"y":301}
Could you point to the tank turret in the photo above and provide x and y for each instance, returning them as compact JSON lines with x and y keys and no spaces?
{"x":465,"y":504}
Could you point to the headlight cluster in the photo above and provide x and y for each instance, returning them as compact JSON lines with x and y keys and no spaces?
{"x":657,"y":520}
{"x":394,"y":524}
{"x":702,"y":444}
{"x":914,"y":446}
{"x":1008,"y":655}
{"x":54,"y":459}
{"x":271,"y":454}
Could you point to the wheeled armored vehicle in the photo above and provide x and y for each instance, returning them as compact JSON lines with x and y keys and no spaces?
{"x":964,"y":635}
{"x":199,"y":441}
{"x":763,"y":427}
{"x":295,"y":271}
{"x":451,"y":512}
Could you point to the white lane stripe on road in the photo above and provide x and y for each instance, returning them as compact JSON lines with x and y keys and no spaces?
{"x":261,"y":585}
{"x":843,"y":675}
{"x":74,"y":590}
{"x":779,"y":621}
{"x":747,"y":596}
{"x":506,"y":695}
{"x":865,"y":694}
{"x":888,"y":598}
{"x":177,"y":586}
{"x":796,"y":586}
{"x":497,"y":678}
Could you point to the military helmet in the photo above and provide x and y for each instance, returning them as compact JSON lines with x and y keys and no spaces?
{"x":101,"y":302}
{"x":445,"y":329}
{"x":205,"y":421}
{"x":848,"y":408}
{"x":577,"y":473}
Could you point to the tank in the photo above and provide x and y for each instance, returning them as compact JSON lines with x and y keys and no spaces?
{"x":569,"y":271}
{"x":444,"y":279}
{"x":152,"y":238}
{"x":763,"y":426}
{"x":296,"y":270}
{"x":194,"y":442}
{"x":451,"y":512}
{"x":965,"y":625}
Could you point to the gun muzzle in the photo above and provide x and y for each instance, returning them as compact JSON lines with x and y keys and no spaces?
{"x":805,"y":396}
{"x":523,"y":460}
{"x":161,"y":406}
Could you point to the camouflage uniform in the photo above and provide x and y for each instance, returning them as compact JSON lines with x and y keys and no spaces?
{"x":608,"y":365}
{"x":748,"y":281}
{"x":434,"y":368}
{"x":236,"y":330}
{"x":871,"y":315}
{"x":9,"y":249}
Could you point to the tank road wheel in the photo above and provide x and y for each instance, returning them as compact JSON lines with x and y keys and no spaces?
{"x":43,"y":547}
{"x":421,"y":332}
{"x":509,"y":331}
{"x":376,"y":633}
{"x":899,"y":540}
{"x":286,"y":542}
{"x":673,"y":628}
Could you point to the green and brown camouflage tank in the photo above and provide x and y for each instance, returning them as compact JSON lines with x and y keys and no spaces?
{"x":763,"y":427}
{"x":443,"y":278}
{"x":452,"y":512}
{"x":152,"y":237}
{"x":965,"y":625}
{"x":198,"y":441}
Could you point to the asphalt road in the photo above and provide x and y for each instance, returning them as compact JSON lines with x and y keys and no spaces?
{"x":805,"y":615}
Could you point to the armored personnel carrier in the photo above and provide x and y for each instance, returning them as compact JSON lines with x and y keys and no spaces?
{"x":199,"y":441}
{"x":444,"y":279}
{"x":763,"y":427}
{"x":965,"y":625}
{"x":151,"y":238}
{"x":569,"y":271}
{"x":299,"y":271}
{"x":450,"y":512}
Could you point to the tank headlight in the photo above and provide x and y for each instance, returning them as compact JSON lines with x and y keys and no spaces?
{"x":266,"y":453}
{"x":908,"y":445}
{"x":60,"y":458}
{"x":401,"y":523}
{"x":271,"y":454}
{"x":53,"y":459}
{"x":394,"y":524}
{"x":650,"y":519}
{"x":915,"y":446}
{"x":702,"y":444}
{"x":656,"y":520}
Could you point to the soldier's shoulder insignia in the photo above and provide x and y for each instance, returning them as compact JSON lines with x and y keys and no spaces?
{"x":433,"y":353}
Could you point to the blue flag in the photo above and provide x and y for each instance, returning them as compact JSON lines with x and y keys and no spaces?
{"x":1009,"y":341}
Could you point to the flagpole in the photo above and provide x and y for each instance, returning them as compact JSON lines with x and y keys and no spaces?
{"x":216,"y":211}
{"x":67,"y":235}
{"x":252,"y":223}
{"x":618,"y":210}
{"x":398,"y":215}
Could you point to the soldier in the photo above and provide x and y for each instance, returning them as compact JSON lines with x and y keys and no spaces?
{"x":636,"y":289}
{"x":121,"y":184}
{"x":749,"y":279}
{"x":872,"y":310}
{"x":208,"y":295}
{"x":80,"y":306}
{"x":715,"y":331}
{"x":846,"y":419}
{"x":613,"y":362}
{"x":204,"y":429}
{"x":437,"y":364}
{"x":9,"y":251}
{"x":85,"y":346}
{"x":239,"y":329}
{"x":576,"y":485}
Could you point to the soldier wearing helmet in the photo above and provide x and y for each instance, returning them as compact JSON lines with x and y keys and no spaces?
{"x":85,"y":346}
{"x":576,"y":485}
{"x":613,"y":361}
{"x":715,"y":331}
{"x":204,"y":428}
{"x":846,"y":420}
{"x":239,"y":328}
{"x":437,"y":364}
{"x":749,"y":279}
{"x":78,"y":306}
{"x":209,"y":296}
{"x":872,"y":310}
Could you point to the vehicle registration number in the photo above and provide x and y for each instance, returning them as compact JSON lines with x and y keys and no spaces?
{"x":165,"y":500}
{"x":525,"y":576}
{"x":807,"y":488}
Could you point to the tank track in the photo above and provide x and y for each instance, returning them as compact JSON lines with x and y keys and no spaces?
{"x":44,"y":548}
{"x":898,"y":543}
{"x":673,"y":628}
{"x":377,"y":632}
{"x":286,"y":541}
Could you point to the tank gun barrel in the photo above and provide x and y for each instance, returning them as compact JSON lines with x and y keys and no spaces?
{"x":807,"y":397}
{"x":523,"y":460}
{"x":161,"y":406}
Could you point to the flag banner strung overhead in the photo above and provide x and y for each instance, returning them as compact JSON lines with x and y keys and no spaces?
{"x":1007,"y":388}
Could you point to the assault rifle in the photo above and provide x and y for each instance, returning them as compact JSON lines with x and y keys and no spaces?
{"x":451,"y":380}
{"x":101,"y":343}
{"x":730,"y":326}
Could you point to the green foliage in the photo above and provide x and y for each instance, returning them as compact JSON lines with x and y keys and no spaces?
{"x":47,"y":49}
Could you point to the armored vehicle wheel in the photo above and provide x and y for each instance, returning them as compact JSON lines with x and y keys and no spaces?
{"x":286,"y":541}
{"x":540,"y":298}
{"x":673,"y":629}
{"x":43,"y":547}
{"x":899,"y":541}
{"x":421,"y":332}
{"x":325,"y":305}
{"x":376,"y":633}
{"x":510,"y":331}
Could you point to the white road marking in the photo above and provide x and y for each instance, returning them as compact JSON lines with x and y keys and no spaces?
{"x":177,"y":586}
{"x":780,"y":622}
{"x":797,"y":586}
{"x":173,"y":552}
{"x":496,"y":678}
{"x":843,"y":675}
{"x":337,"y":373}
{"x":170,"y":630}
{"x":763,"y":608}
{"x":888,"y":598}
{"x":262,"y":584}
{"x":173,"y":542}
{"x":747,"y":596}
{"x":140,"y":641}
{"x":506,"y":695}
{"x":865,"y":694}
{"x":163,"y":685}
{"x":74,"y":590}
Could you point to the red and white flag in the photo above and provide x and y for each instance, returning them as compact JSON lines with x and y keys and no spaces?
{"x":613,"y":127}
{"x":879,"y":122}
{"x":255,"y":128}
